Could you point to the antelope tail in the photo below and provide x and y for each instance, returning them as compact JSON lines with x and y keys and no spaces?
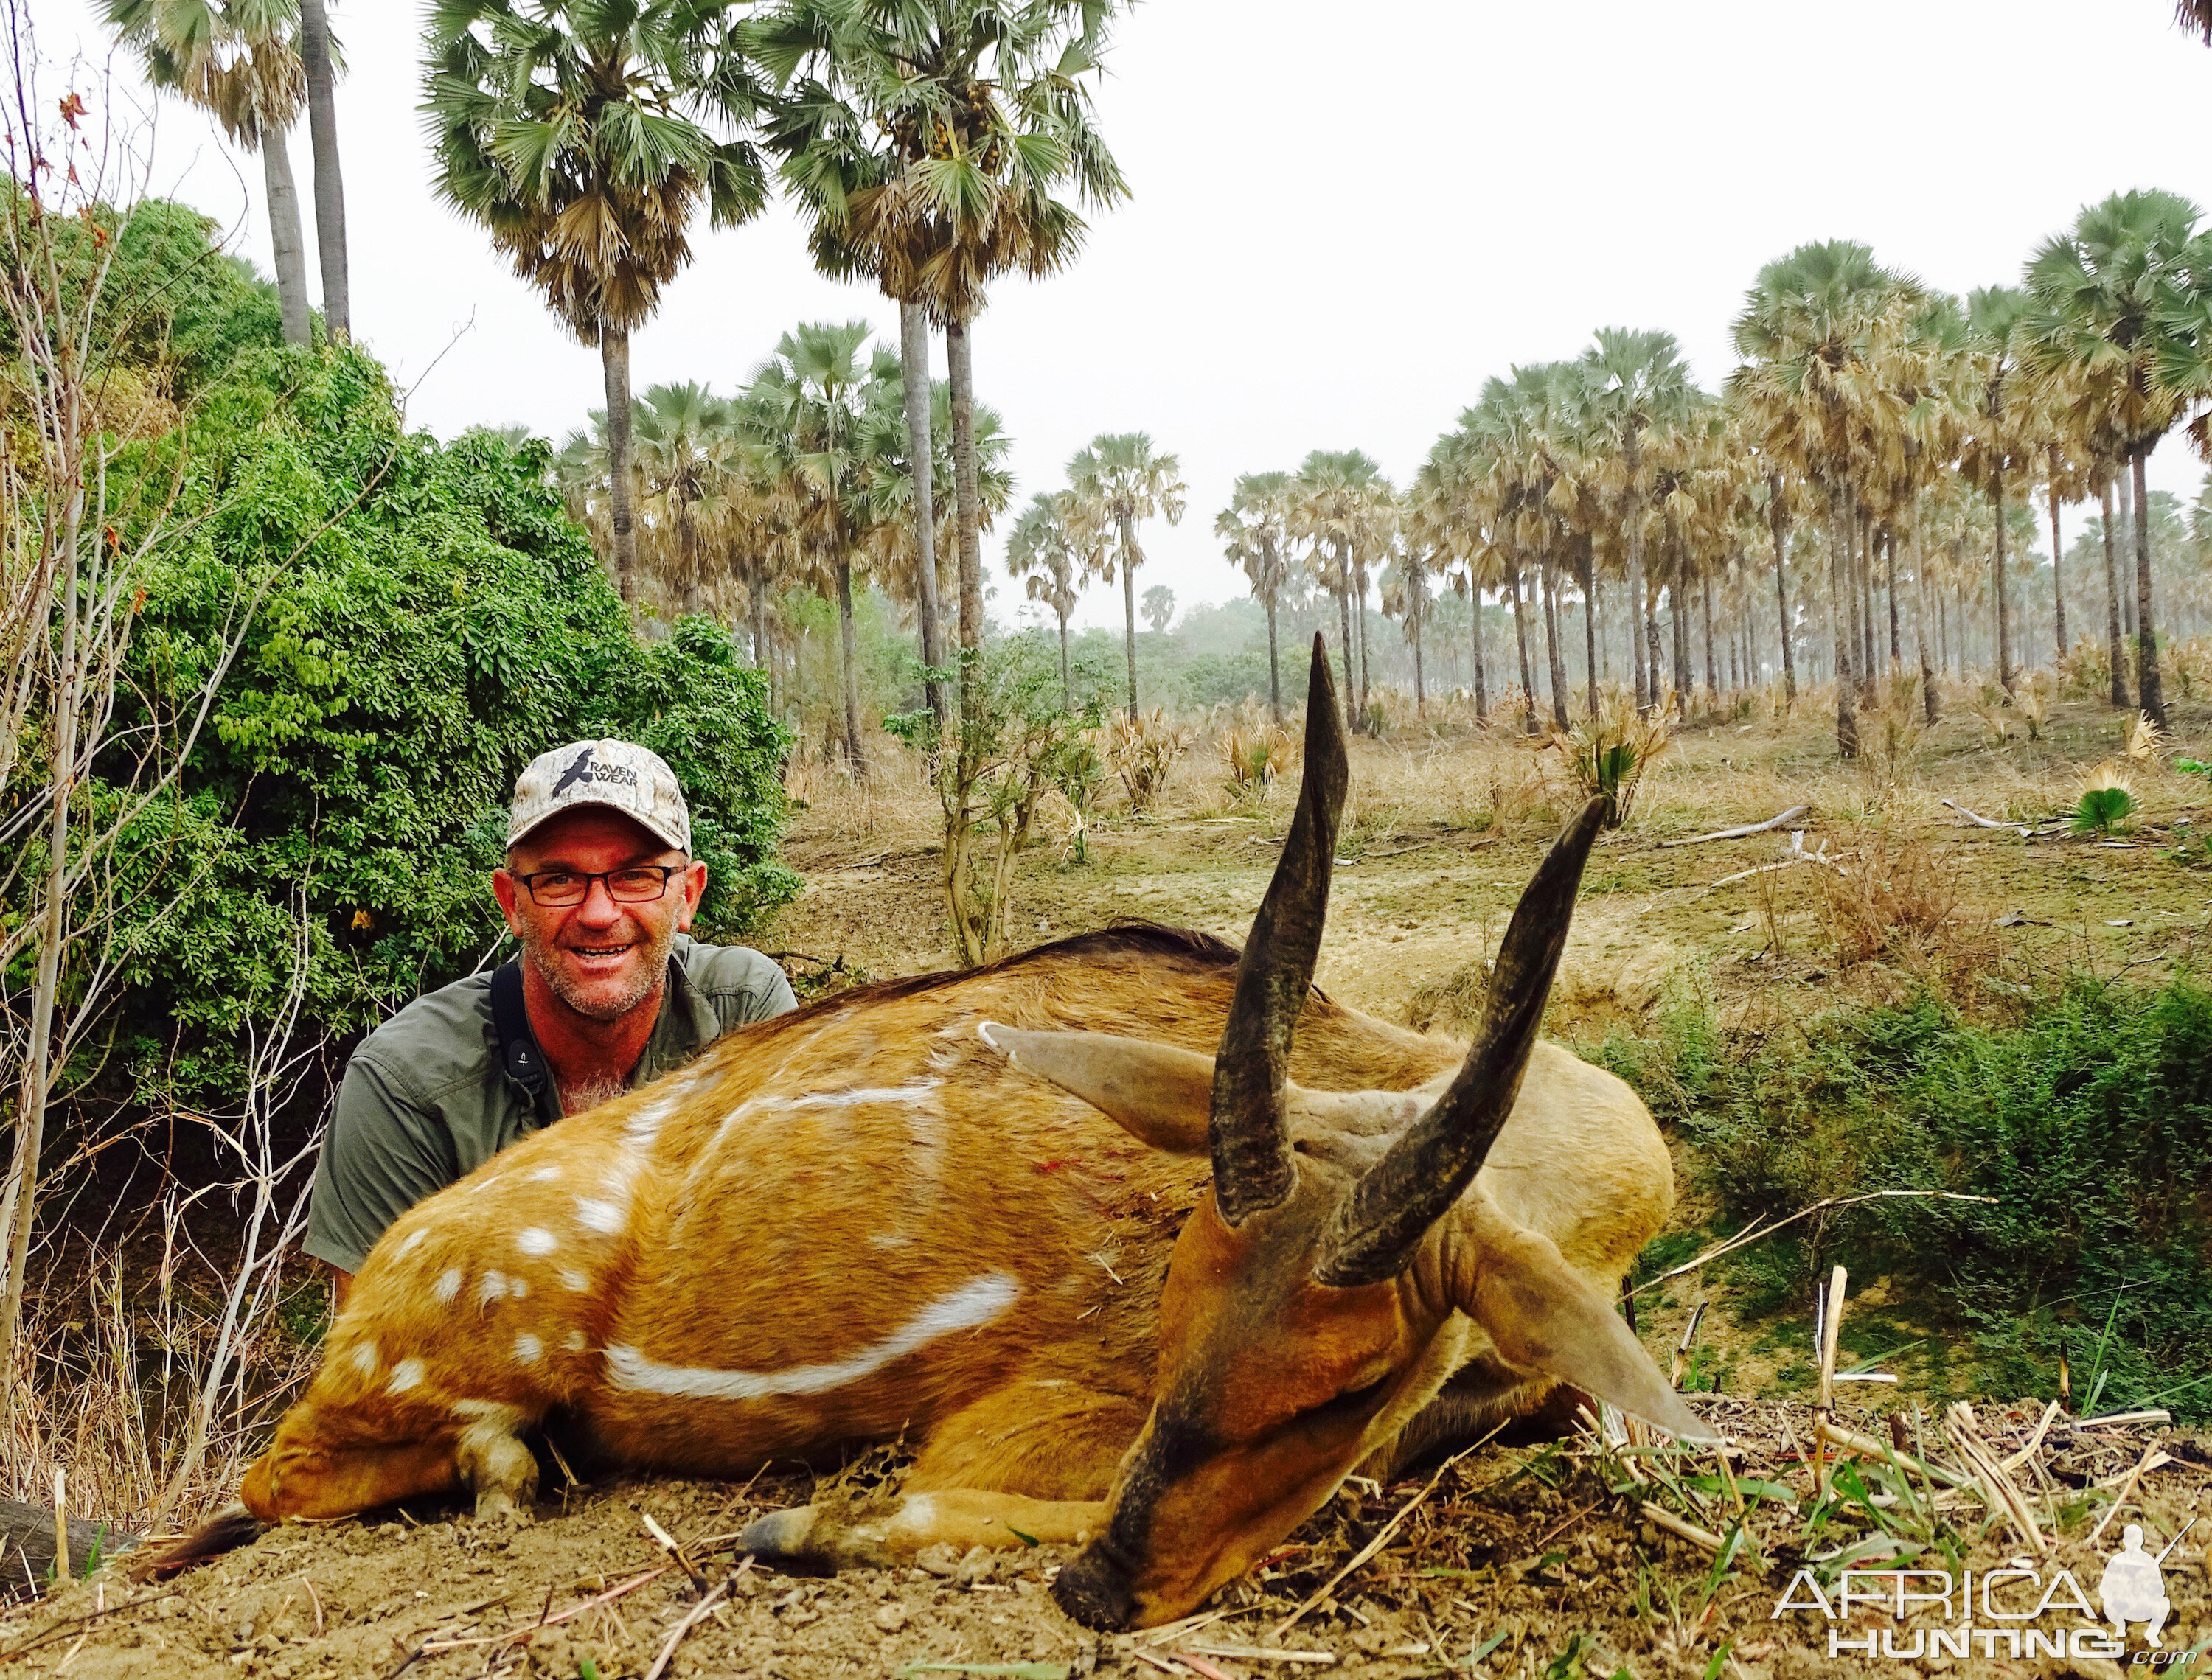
{"x":228,"y":1530}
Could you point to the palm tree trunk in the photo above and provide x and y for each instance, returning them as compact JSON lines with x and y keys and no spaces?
{"x":848,"y":674}
{"x":1778,"y":521}
{"x":1847,"y":724}
{"x":330,"y":183}
{"x":1274,"y":657}
{"x":1588,"y":558}
{"x":967,"y":508}
{"x":1558,"y":671}
{"x":1474,"y":636}
{"x":1920,"y":622}
{"x":1420,"y":693}
{"x":1867,"y":617}
{"x":1130,"y":558}
{"x":914,"y":368}
{"x":1360,"y":619}
{"x":1889,"y":570}
{"x":614,"y":365}
{"x":2058,"y":577}
{"x":2112,"y":602}
{"x":1344,"y":613}
{"x":1712,"y":671}
{"x":2004,"y":618}
{"x":757,"y":590}
{"x":1067,"y":686}
{"x":1521,"y":632}
{"x":286,"y":243}
{"x":2149,"y":686}
{"x":2127,"y":527}
{"x":1631,"y":449}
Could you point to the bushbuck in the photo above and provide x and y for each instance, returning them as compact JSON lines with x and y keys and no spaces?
{"x":1114,"y":1289}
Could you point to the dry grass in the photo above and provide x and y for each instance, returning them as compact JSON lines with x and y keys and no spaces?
{"x":1892,"y":898}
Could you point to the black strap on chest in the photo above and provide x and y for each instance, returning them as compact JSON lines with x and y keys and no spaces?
{"x":518,"y":1050}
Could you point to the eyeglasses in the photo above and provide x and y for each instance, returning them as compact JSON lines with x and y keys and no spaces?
{"x":641,"y":884}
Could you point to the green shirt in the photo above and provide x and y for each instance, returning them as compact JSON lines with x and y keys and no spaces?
{"x":426,"y":1100}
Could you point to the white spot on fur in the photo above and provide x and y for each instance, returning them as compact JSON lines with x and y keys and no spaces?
{"x":364,"y":1359}
{"x":573,"y":1279}
{"x":490,"y":1412}
{"x":518,"y":1287}
{"x":414,"y":1241}
{"x":404,"y":1376}
{"x":545,"y":1175}
{"x":535,"y":1239}
{"x":528,"y":1349}
{"x":493,"y":1287}
{"x":598,"y":1216}
{"x":448,"y":1285}
{"x":970,"y":1306}
{"x":573,"y":1341}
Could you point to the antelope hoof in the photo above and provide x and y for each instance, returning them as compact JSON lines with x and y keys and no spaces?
{"x":497,"y":1504}
{"x":781,"y":1540}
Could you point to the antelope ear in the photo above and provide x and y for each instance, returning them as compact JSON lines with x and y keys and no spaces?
{"x":1543,"y":1315}
{"x":1158,"y":1094}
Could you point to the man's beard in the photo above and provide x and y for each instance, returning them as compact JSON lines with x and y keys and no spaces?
{"x":545,"y":956}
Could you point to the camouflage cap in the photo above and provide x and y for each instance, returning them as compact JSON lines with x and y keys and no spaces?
{"x":619,"y":774}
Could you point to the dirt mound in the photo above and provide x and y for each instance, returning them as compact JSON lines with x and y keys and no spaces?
{"x":1561,"y":1560}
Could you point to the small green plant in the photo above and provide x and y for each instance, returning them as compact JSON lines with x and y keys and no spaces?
{"x":2107,"y":801}
{"x":1607,"y":756}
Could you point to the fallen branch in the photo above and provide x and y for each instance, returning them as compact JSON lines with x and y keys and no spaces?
{"x":698,"y":1613}
{"x":1787,"y":816}
{"x":2126,"y":1492}
{"x":1753,"y":1232}
{"x":1868,"y":1448}
{"x":1381,"y":1540}
{"x":1660,"y":1517}
{"x":1999,"y":1487}
{"x":2026,"y":831}
{"x":1797,"y":854}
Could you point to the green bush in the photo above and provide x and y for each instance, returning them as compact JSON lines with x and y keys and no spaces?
{"x":2088,"y":1128}
{"x":428,"y":621}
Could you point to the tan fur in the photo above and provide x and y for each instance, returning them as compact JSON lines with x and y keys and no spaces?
{"x":791,"y":1206}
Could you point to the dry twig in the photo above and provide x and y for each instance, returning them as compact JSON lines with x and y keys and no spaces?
{"x":1789,"y":815}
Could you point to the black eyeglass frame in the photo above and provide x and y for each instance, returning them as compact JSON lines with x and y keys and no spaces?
{"x":667,"y":872}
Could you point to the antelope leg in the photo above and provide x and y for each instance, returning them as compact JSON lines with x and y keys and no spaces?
{"x":818,"y":1537}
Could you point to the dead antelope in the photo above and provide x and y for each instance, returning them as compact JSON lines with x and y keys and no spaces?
{"x":975,"y":1209}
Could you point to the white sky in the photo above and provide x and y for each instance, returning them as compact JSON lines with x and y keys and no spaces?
{"x":1345,"y":218}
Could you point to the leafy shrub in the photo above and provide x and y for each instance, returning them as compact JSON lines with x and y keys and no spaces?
{"x":428,"y":619}
{"x":2086,"y":1128}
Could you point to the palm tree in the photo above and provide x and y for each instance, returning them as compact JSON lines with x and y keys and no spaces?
{"x":2194,"y":15}
{"x":1630,"y":381}
{"x":319,"y":60}
{"x":1342,"y":505}
{"x":816,"y":394}
{"x":984,"y":115}
{"x":684,"y":465}
{"x":1043,"y":548}
{"x":1814,"y":332}
{"x":239,"y":61}
{"x":1256,"y":527}
{"x":1996,"y":312}
{"x":1124,"y":481}
{"x":2111,"y":317}
{"x":576,"y":133}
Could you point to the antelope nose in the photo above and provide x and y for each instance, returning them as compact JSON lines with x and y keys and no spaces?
{"x":1095,"y":1589}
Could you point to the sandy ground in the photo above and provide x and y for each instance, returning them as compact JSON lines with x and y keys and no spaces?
{"x":1556,"y":1561}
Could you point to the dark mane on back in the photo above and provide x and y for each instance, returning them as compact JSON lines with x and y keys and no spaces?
{"x":1183,"y":944}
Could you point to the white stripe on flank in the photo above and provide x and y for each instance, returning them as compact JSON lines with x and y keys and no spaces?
{"x":645,"y":1124}
{"x":970,"y":1306}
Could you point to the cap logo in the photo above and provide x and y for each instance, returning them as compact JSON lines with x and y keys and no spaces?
{"x":581,"y":770}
